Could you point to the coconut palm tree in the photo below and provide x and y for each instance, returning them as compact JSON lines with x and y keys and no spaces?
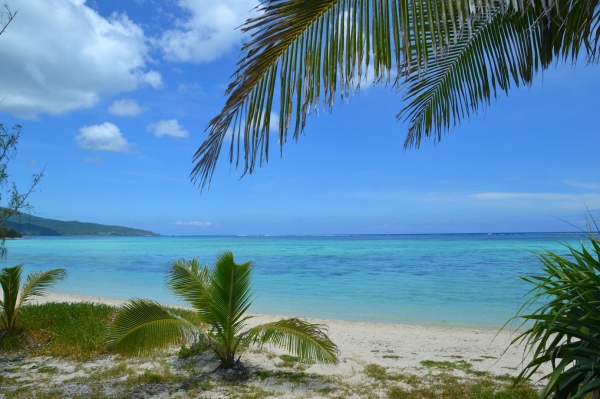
{"x":35,"y":284}
{"x":221,"y":296}
{"x":450,"y":57}
{"x":565,"y":298}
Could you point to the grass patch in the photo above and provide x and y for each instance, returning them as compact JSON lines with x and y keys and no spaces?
{"x":450,"y":387}
{"x":60,"y":329}
{"x":461,"y":365}
{"x":288,"y":361}
{"x":444,"y":385}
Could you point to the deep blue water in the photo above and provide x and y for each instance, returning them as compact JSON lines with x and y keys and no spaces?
{"x":417,"y":279}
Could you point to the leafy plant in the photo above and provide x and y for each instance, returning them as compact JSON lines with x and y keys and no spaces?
{"x":36,"y":284}
{"x":221,"y":296}
{"x":566,"y":328}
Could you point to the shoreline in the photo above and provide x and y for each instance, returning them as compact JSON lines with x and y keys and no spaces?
{"x":52,"y":296}
{"x":394,"y":346}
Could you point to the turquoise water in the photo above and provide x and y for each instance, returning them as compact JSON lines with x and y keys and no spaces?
{"x":412,"y":279}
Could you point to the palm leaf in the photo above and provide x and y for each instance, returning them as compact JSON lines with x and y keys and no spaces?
{"x":10,"y":280}
{"x":230,"y":297}
{"x":37,"y":283}
{"x":307,"y":50}
{"x":504,"y":49}
{"x":141,"y":326}
{"x":307,"y":341}
{"x":499,"y":51}
{"x":189,"y":281}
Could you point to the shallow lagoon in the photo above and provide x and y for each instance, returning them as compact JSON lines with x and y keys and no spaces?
{"x":449,"y":279}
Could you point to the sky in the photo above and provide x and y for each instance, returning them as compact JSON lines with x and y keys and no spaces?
{"x":114,"y":98}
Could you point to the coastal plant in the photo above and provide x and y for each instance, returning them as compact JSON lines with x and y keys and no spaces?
{"x":566,"y":326}
{"x":221,"y":295}
{"x":13,"y":299}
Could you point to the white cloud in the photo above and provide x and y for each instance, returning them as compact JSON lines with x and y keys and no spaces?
{"x":195,"y":224}
{"x":153,"y":78}
{"x":125,"y":107}
{"x":209,"y":31}
{"x":104,"y":137}
{"x":61,"y":55}
{"x":167,"y":127}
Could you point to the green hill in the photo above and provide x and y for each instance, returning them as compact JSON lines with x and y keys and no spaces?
{"x":30,"y":225}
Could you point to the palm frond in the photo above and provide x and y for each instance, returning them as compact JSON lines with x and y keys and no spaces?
{"x":230,"y":297}
{"x":10,"y":281}
{"x":37,"y":283}
{"x":189,"y":281}
{"x":307,"y":341}
{"x":141,"y":326}
{"x":503,"y":49}
{"x":307,"y":51}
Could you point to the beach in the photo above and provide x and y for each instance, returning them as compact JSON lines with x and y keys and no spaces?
{"x":398,"y":347}
{"x":376,"y":360}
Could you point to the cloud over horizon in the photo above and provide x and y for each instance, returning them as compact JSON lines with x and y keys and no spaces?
{"x":194,"y":224}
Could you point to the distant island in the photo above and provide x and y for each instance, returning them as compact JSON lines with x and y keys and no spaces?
{"x":29,"y":225}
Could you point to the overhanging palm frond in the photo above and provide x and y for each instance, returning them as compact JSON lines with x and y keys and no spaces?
{"x":503,"y":49}
{"x":303,"y":51}
{"x":189,"y":280}
{"x":307,"y":341}
{"x":308,"y":50}
{"x":142,"y":325}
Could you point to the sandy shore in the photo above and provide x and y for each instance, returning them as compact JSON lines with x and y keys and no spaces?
{"x":395,"y":346}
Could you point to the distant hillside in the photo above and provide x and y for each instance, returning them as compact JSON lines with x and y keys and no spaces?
{"x":30,"y":225}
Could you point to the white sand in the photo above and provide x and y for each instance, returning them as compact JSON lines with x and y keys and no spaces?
{"x":395,"y":346}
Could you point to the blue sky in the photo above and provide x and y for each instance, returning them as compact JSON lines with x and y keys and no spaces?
{"x":114,"y":97}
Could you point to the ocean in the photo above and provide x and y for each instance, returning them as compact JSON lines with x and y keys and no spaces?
{"x":444,"y":279}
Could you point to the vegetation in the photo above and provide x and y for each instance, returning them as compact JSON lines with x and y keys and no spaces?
{"x":72,"y":330}
{"x":80,"y":366}
{"x":36,"y":226}
{"x":9,"y":233}
{"x":566,"y":328}
{"x":221,"y":297}
{"x":36,"y":284}
{"x":449,"y":57}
